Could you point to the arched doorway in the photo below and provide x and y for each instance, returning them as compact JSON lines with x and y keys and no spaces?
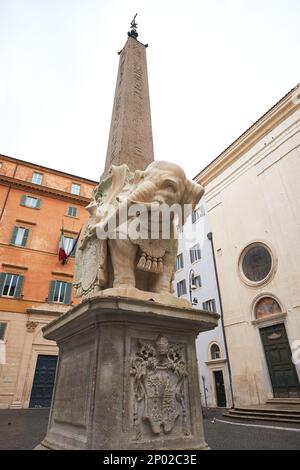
{"x":220,"y":393}
{"x":282,"y":371}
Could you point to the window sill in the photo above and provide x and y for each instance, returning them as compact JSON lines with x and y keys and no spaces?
{"x":215,"y":361}
{"x":18,"y":246}
{"x":270,"y":318}
{"x":11,"y":297}
{"x":27,"y":207}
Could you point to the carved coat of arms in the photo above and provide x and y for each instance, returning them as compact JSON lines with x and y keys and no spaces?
{"x":159,"y":373}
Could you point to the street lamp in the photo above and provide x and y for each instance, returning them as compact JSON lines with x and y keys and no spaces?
{"x":192,"y":286}
{"x":210,"y":237}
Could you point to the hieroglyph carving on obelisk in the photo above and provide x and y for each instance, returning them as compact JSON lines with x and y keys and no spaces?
{"x":130,"y":138}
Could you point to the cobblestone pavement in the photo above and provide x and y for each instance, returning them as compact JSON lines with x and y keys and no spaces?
{"x":24,"y":429}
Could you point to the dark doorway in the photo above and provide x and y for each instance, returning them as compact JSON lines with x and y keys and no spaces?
{"x":42,"y":388}
{"x":220,"y":388}
{"x":278,"y":354}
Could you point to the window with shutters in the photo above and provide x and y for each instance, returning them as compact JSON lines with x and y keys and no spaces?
{"x":11,"y":285}
{"x":37,"y":178}
{"x":3,"y":328}
{"x":198,"y":213}
{"x":197,"y":281}
{"x":29,"y":201}
{"x":19,"y":236}
{"x":210,"y":305}
{"x":195,"y":253}
{"x":179,"y":262}
{"x":60,"y":291}
{"x":181,"y":288}
{"x":75,"y":189}
{"x":72,"y":211}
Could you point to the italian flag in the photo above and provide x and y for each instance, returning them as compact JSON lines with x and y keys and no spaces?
{"x":65,"y":247}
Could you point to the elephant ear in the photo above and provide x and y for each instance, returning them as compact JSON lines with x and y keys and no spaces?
{"x":138,"y":177}
{"x":190,"y":198}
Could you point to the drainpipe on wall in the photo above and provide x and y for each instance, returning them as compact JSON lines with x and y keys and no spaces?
{"x":210,"y":237}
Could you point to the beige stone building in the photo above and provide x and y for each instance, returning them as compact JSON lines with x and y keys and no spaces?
{"x":253,"y":199}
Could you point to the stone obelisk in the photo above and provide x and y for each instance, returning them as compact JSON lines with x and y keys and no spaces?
{"x":127,"y":375}
{"x":130,"y":138}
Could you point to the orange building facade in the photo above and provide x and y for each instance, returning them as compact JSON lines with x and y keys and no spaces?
{"x":36,"y":203}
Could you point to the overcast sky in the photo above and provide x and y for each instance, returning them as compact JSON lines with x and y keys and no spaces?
{"x":214,"y":68}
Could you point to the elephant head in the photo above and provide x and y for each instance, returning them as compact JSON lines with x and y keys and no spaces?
{"x":165,"y":183}
{"x":108,"y":238}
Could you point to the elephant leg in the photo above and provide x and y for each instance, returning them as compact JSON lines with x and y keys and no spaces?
{"x":123,"y":254}
{"x":163,"y":281}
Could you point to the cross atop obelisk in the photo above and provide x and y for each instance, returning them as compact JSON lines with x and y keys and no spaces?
{"x":130,"y":137}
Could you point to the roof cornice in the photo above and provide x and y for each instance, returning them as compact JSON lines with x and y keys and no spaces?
{"x":272,"y":118}
{"x":45,"y":168}
{"x":43,"y":190}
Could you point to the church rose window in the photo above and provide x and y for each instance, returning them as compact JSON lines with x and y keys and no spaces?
{"x":256,"y":263}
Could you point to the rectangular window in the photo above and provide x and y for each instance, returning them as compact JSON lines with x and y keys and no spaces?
{"x":195,"y":253}
{"x":19,"y":236}
{"x":11,"y":285}
{"x":3,"y":327}
{"x":210,"y":305}
{"x":72,"y":211}
{"x":197,"y":281}
{"x":75,"y":189}
{"x":60,"y":292}
{"x":181,"y":288}
{"x":179,"y":262}
{"x":198,"y":213}
{"x":29,"y":201}
{"x":37,"y":178}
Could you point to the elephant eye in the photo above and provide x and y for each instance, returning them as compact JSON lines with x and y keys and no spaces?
{"x":170,"y":185}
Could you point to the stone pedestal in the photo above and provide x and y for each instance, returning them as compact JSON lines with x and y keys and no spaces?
{"x":127,"y":376}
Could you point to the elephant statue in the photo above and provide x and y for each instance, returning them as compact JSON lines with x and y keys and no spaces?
{"x":121,"y":245}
